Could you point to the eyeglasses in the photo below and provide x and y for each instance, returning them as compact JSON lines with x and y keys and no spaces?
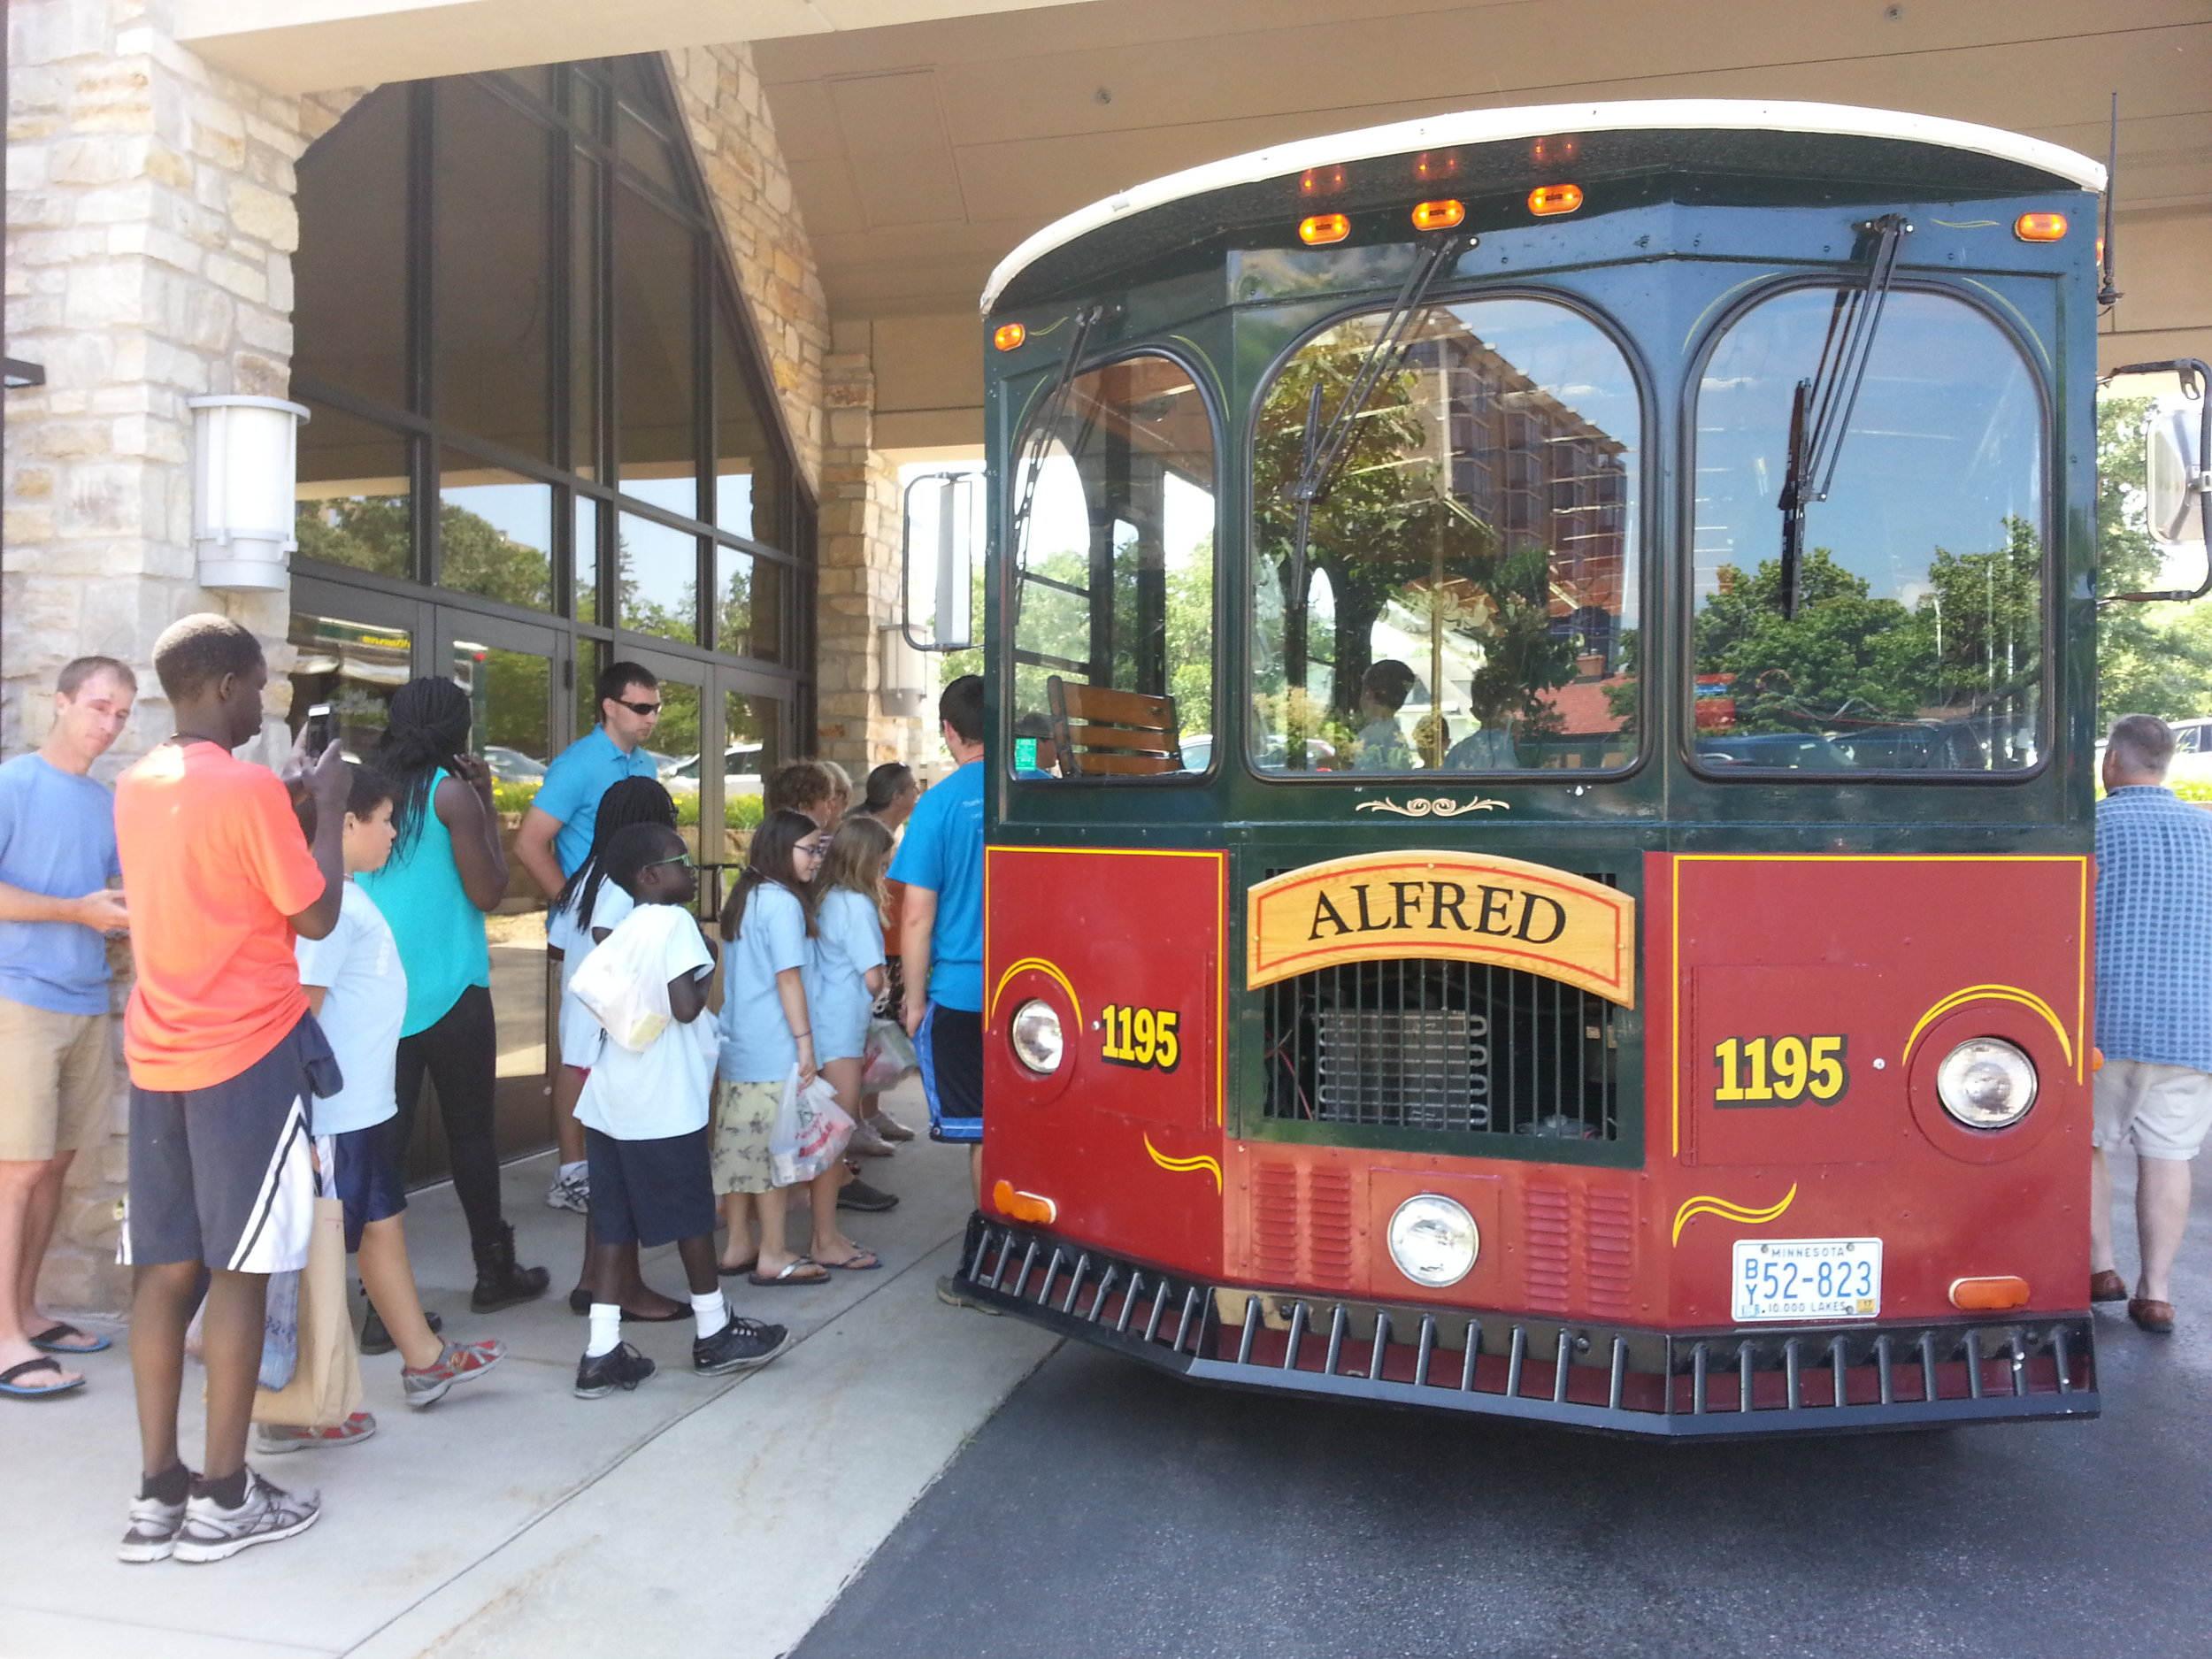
{"x":681,"y":858}
{"x":637,"y":708}
{"x":810,"y":849}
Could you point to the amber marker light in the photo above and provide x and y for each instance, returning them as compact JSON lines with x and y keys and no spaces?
{"x":1548,"y":199}
{"x":1323,"y":227}
{"x":1008,"y":335}
{"x":1982,"y":1296}
{"x":1024,"y":1206}
{"x":1439,"y":215}
{"x":2039,"y":226}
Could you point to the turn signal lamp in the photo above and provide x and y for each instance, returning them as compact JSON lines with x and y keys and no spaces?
{"x":1546,"y":199}
{"x":1024,"y":1206}
{"x":1982,"y":1296}
{"x":1323,"y":227}
{"x":1008,"y":335}
{"x":2039,"y":226}
{"x":1321,"y":181}
{"x":1439,"y":215}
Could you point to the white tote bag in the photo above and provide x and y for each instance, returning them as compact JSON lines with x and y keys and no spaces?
{"x":621,"y":983}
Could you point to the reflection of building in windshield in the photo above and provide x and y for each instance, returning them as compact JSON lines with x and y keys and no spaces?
{"x":355,"y":668}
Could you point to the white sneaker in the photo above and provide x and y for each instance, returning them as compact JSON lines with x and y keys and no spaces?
{"x":867,"y":1143}
{"x":571,"y":1192}
{"x":152,"y":1533}
{"x":889,"y":1127}
{"x":210,"y":1532}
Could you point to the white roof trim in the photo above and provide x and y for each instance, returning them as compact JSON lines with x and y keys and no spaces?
{"x":1481,"y":127}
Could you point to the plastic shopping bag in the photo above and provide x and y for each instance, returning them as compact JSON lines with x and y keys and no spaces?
{"x":888,"y":1058}
{"x":281,"y":1331}
{"x":810,"y":1131}
{"x":621,"y":983}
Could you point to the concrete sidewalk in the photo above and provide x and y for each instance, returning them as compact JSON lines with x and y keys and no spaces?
{"x":513,"y":1518}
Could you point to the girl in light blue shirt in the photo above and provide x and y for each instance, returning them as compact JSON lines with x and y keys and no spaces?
{"x":849,"y":968}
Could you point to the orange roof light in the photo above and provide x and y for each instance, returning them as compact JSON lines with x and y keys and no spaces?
{"x":1978,"y":1295}
{"x":1321,"y":181}
{"x":1439,"y":215}
{"x":1546,"y":199}
{"x":1436,"y":164}
{"x":1557,"y":147}
{"x":1024,"y":1206}
{"x":1008,"y":335}
{"x":1323,"y":227}
{"x":2039,"y":226}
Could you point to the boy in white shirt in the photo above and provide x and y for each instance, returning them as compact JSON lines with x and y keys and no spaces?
{"x":357,"y":992}
{"x":644,"y":1113}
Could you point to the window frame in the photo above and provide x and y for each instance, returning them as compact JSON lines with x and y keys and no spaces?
{"x":1648,"y":586}
{"x":1685,"y":624}
{"x":1018,"y":424}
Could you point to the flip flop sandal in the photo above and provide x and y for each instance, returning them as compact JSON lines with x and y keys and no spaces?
{"x":14,"y":1390}
{"x":63,"y":1338}
{"x":785,"y":1281}
{"x":853,"y":1264}
{"x":740,"y":1267}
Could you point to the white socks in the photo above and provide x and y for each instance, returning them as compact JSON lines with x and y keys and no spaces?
{"x":606,"y":1329}
{"x":569,"y":1171}
{"x":711,"y":1312}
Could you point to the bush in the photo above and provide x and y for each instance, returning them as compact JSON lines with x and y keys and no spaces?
{"x":514,"y":798}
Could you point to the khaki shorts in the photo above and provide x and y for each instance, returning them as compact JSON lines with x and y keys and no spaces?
{"x":744,"y":1117}
{"x":56,"y":1081}
{"x":2164,"y":1110}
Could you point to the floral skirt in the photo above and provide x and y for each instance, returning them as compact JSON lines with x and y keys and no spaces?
{"x":744,"y":1117}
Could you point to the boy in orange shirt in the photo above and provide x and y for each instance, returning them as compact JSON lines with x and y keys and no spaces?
{"x":225,"y":1061}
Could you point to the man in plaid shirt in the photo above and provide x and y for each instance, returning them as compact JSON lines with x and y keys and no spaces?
{"x":2153,"y":1008}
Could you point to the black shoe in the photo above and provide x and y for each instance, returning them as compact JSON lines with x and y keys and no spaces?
{"x":376,"y":1340}
{"x":621,"y":1366}
{"x":858,"y":1194}
{"x":499,"y":1282}
{"x":580,"y":1302}
{"x":738,"y":1346}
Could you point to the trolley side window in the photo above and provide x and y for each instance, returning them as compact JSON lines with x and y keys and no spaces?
{"x":1461,"y":595}
{"x":1110,"y":596}
{"x":1918,"y":640}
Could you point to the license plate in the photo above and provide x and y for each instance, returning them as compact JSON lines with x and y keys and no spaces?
{"x":1807,"y":1279}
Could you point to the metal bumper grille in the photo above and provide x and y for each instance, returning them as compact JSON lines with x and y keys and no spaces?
{"x":1814,"y":1380}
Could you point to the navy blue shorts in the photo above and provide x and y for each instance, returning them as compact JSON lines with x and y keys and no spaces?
{"x":650,"y":1192}
{"x":367,"y":1179}
{"x":949,"y":1046}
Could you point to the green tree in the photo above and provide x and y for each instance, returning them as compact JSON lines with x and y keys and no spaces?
{"x":2150,"y":658}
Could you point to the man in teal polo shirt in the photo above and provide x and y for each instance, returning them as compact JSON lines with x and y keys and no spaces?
{"x":555,"y":837}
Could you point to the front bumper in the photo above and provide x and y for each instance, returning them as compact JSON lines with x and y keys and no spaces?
{"x":1686,"y":1386}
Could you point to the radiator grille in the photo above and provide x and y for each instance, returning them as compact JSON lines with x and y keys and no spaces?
{"x":1428,"y":1044}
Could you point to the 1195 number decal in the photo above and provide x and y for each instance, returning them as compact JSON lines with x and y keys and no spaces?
{"x":1779,"y":1071}
{"x":1142,"y":1037}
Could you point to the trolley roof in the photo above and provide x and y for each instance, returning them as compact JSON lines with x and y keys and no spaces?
{"x":1484,"y":127}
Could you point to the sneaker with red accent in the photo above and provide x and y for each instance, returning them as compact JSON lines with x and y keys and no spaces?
{"x":273,"y":1438}
{"x":458,"y":1363}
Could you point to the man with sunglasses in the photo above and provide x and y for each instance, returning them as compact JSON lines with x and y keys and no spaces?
{"x":555,"y":837}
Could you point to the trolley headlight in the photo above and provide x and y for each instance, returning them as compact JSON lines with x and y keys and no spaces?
{"x":1433,"y":1241}
{"x":1036,"y":1034}
{"x":1986,"y":1083}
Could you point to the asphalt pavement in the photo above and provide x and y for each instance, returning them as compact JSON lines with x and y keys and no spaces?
{"x":1108,"y":1510}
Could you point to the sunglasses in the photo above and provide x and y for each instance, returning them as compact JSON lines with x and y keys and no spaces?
{"x":637,"y":708}
{"x":681,"y":858}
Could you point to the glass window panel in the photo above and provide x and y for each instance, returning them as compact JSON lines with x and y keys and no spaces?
{"x":585,"y":557}
{"x":752,"y":732}
{"x":658,"y":576}
{"x":537,"y":80}
{"x":747,"y":470}
{"x":583,"y":316}
{"x":589,"y":657}
{"x":353,"y":494}
{"x":1918,"y":641}
{"x":493,"y":292}
{"x":353,"y":666}
{"x":349,"y":276}
{"x":1113,"y":576}
{"x":643,"y":147}
{"x":676,"y":752}
{"x":749,"y":600}
{"x":495,"y":533}
{"x":653,"y":323}
{"x":1468,"y":591}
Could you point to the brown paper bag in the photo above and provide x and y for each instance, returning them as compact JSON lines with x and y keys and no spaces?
{"x":325,"y":1386}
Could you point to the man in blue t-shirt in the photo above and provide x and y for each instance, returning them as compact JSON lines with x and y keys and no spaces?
{"x":940,"y":930}
{"x":58,"y":1089}
{"x":555,"y":837}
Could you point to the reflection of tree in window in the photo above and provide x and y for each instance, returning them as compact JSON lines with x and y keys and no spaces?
{"x":1468,"y":572}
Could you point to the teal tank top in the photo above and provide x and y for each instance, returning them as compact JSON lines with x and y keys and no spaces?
{"x":441,"y":934}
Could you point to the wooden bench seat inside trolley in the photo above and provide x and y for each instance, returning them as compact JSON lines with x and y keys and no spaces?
{"x":1098,"y":732}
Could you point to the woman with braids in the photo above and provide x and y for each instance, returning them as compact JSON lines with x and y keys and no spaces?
{"x":446,"y":871}
{"x":590,"y":907}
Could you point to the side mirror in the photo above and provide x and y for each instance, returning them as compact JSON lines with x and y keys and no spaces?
{"x":2177,"y":487}
{"x":950,"y":506}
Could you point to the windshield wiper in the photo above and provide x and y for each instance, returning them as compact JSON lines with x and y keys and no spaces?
{"x":1323,"y":449}
{"x":1820,"y":413}
{"x":1037,"y":447}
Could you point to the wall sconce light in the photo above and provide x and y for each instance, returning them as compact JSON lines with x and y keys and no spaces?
{"x":904,"y":687}
{"x":245,"y":472}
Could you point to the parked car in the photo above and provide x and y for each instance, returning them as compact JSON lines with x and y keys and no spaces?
{"x":511,"y":765}
{"x":1804,"y":751}
{"x":741,"y":772}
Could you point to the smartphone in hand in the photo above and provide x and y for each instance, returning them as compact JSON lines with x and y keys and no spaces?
{"x":321,"y":730}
